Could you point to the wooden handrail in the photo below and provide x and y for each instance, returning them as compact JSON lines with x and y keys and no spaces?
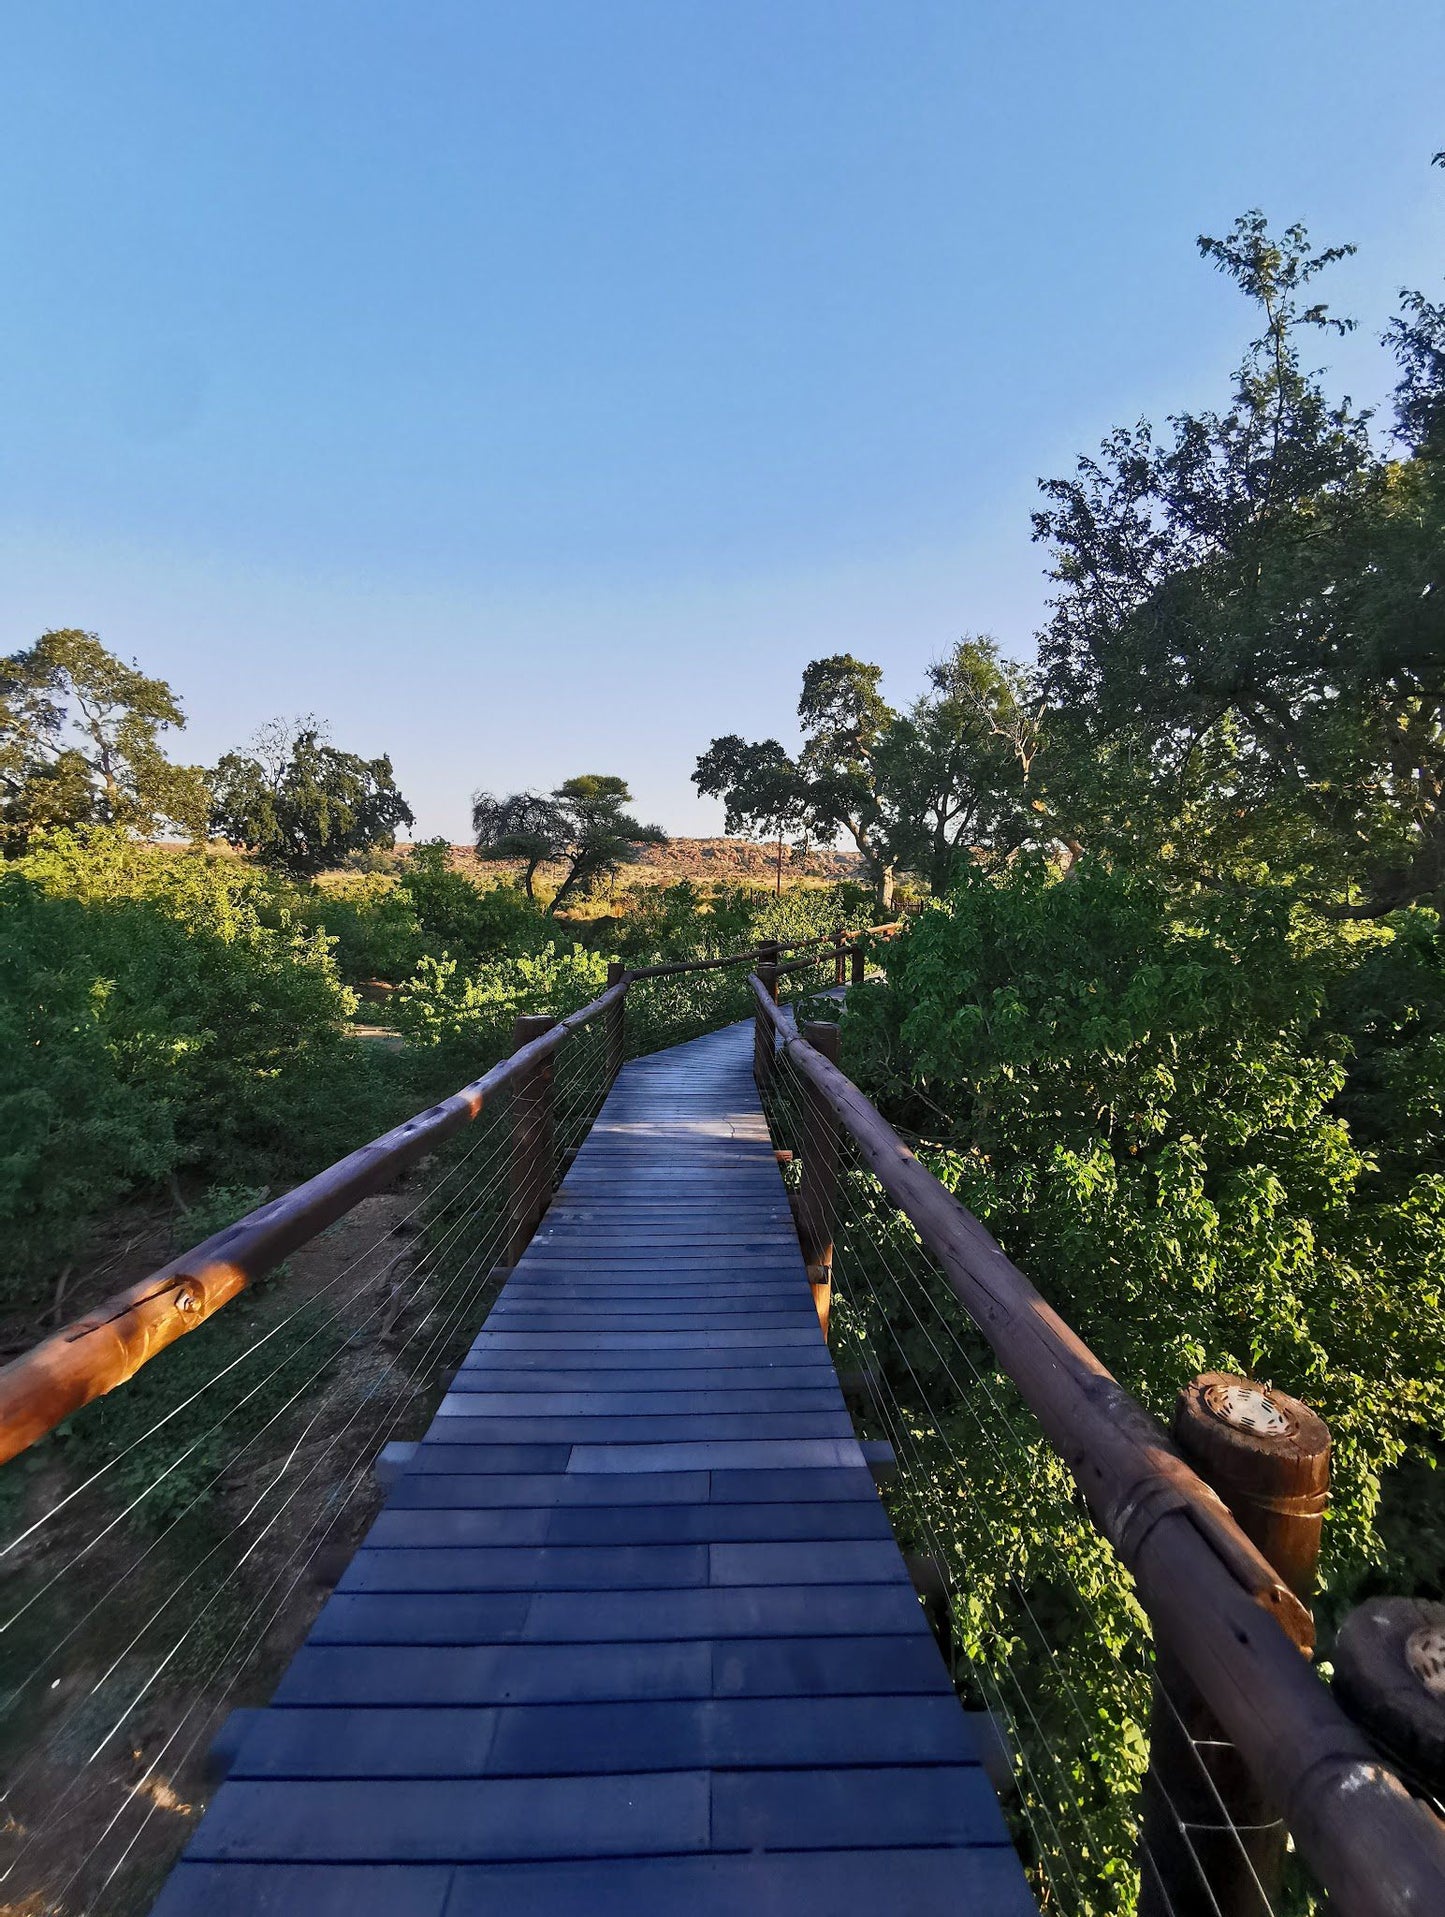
{"x":90,"y":1357}
{"x":1220,"y":1606}
{"x":752,"y":956}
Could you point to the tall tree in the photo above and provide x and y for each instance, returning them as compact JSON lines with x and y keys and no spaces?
{"x":955,"y":768}
{"x":913,"y":791}
{"x":760,"y":786}
{"x":582,"y":824}
{"x":300,"y":803}
{"x":80,"y":743}
{"x":1248,"y":643}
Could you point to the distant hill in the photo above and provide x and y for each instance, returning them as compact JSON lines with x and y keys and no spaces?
{"x":721,"y":861}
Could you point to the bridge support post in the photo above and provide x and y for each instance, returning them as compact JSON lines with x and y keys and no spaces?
{"x":859,"y":959}
{"x":531,"y":1169}
{"x":822,"y":1160}
{"x":1212,"y":1843}
{"x":764,"y":1061}
{"x":840,"y":959}
{"x":616,"y":1022}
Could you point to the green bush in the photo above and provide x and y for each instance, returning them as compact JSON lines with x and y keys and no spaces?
{"x":160,"y":1012}
{"x":459,"y":916}
{"x":1159,"y":1110}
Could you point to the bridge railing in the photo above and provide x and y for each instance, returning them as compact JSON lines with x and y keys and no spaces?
{"x":1023,"y":1474}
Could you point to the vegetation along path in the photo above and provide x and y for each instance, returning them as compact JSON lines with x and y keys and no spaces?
{"x":631,"y":1632}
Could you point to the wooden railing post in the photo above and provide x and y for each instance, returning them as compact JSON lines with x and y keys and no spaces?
{"x":531,"y":1168}
{"x":859,"y":960}
{"x":840,"y":958}
{"x":1213,"y":1843}
{"x":1390,"y":1676}
{"x":616,"y":1022}
{"x":764,"y":1061}
{"x":822,"y":1161}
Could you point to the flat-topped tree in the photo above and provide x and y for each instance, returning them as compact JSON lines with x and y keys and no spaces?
{"x":582,"y":825}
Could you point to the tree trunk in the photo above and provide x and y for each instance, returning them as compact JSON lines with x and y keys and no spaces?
{"x":885,"y":888}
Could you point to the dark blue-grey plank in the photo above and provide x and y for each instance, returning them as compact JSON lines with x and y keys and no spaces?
{"x":495,"y":1674}
{"x":734,"y":1611}
{"x":828,"y":1666}
{"x":556,"y":1740}
{"x":307,"y":1890}
{"x":700,"y":1523}
{"x":644,"y":1428}
{"x":523,"y":1568}
{"x":454,"y":1821}
{"x":809,"y":1562}
{"x":822,"y":1809}
{"x":891,"y":1883}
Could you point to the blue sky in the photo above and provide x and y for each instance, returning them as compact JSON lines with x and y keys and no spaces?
{"x":532,"y":388}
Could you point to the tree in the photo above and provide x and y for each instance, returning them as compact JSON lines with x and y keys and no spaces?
{"x":760,"y":786}
{"x":582,"y":824}
{"x":1248,"y":644}
{"x":955,"y":768}
{"x":300,"y":803}
{"x":527,"y":826}
{"x":914,"y":790}
{"x":80,"y":744}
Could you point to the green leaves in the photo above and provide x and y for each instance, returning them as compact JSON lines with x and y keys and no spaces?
{"x":301,"y":804}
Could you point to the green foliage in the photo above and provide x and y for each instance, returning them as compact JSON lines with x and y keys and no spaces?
{"x":1160,"y":1110}
{"x":301,"y":804}
{"x":1247,"y":646}
{"x":468,"y":920}
{"x":80,"y":743}
{"x":467,"y":1015}
{"x":160,"y":1011}
{"x":371,"y":921}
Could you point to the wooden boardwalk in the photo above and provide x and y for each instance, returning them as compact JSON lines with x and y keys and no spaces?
{"x":631,"y":1634}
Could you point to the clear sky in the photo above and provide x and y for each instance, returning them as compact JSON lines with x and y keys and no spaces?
{"x":533,"y":387}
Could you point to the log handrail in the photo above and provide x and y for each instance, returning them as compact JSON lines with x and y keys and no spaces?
{"x":751,"y":957}
{"x":1223,"y":1610}
{"x":97,"y":1352}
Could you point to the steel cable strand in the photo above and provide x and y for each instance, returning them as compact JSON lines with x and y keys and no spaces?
{"x":366,"y":1451}
{"x":274,"y":1331}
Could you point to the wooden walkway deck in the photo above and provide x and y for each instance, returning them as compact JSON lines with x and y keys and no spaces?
{"x":631,"y":1634}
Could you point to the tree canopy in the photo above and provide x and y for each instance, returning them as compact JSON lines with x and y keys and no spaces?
{"x":301,"y":804}
{"x":916,"y":790}
{"x":80,"y":743}
{"x":582,"y":824}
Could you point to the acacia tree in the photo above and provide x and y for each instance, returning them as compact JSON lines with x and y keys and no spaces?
{"x":80,"y":743}
{"x":300,"y":803}
{"x":582,"y":824}
{"x":1248,"y":643}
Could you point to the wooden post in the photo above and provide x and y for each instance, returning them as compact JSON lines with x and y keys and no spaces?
{"x":764,"y":1061}
{"x":840,"y":959}
{"x":858,"y":962}
{"x":822,"y":1158}
{"x":531,"y":1167}
{"x":1390,"y":1677}
{"x":1268,"y":1457}
{"x":616,"y":1022}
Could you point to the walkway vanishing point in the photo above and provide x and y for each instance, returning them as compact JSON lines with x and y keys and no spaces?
{"x":632,"y":1634}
